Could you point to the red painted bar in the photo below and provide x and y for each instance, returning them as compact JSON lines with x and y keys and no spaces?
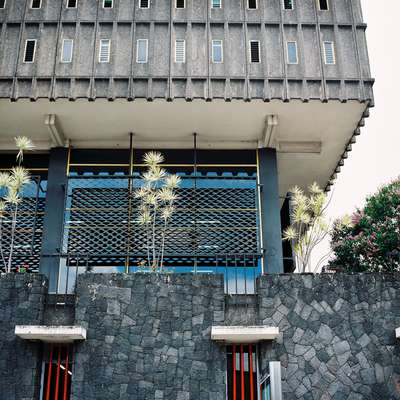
{"x":66,"y":375}
{"x":251,"y":372}
{"x":49,"y":374}
{"x":242,"y":371}
{"x":58,"y":374}
{"x":234,"y":371}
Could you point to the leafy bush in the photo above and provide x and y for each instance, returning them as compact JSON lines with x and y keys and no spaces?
{"x":371,"y":240}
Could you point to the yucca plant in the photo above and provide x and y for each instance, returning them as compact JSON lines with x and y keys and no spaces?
{"x":11,"y":186}
{"x":309,"y":225}
{"x":156,"y":198}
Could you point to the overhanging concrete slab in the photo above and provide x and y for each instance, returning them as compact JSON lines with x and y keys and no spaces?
{"x":244,"y":334}
{"x":51,"y":334}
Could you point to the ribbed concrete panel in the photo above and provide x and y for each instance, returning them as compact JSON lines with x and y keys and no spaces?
{"x":198,"y":77}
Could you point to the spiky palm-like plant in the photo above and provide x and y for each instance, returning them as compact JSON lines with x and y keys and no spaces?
{"x":11,"y":186}
{"x":156,"y":206}
{"x":309,"y":225}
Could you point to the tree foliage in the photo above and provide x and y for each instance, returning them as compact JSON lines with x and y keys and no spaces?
{"x":12,"y":185}
{"x":156,"y":206}
{"x":309,"y":225}
{"x":371,"y":240}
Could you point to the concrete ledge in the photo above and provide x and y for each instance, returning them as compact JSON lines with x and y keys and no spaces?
{"x":51,"y":334}
{"x":244,"y":334}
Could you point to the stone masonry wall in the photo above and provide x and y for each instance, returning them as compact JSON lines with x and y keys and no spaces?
{"x":22,"y":299}
{"x":148,"y":337}
{"x":338,"y":334}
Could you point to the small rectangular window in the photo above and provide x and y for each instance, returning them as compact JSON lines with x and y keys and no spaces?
{"x":72,"y":3}
{"x":107,"y":3}
{"x":323,"y":5}
{"x":217,"y":51}
{"x":329,"y":53}
{"x":288,"y":4}
{"x":180,"y":51}
{"x":292,"y":57}
{"x":57,"y":370}
{"x":144,"y":3}
{"x":216,"y":3}
{"x":179,"y":3}
{"x":36,"y":3}
{"x":252,"y":4}
{"x":30,"y":50}
{"x":104,"y":50}
{"x":254,"y":51}
{"x":66,"y":51}
{"x":142,"y":49}
{"x":2,"y":4}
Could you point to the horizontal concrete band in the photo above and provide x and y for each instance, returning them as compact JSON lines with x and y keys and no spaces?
{"x":55,"y":334}
{"x":244,"y":334}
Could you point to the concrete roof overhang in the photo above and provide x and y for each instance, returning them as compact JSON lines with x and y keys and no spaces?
{"x":330,"y":126}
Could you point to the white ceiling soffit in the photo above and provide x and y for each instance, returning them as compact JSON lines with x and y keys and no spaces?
{"x":310,"y":137}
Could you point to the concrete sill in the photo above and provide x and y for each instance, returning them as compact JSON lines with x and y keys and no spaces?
{"x":51,"y":334}
{"x":244,"y":334}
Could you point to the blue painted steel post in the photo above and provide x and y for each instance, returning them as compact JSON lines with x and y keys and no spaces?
{"x":54,"y":216}
{"x":270,"y":211}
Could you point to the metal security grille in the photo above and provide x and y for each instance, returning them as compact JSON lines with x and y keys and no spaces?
{"x":28,"y":231}
{"x":242,"y":372}
{"x":254,"y":51}
{"x":217,"y":217}
{"x":57,"y":372}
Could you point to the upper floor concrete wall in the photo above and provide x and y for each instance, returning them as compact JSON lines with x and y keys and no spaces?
{"x":198,"y":24}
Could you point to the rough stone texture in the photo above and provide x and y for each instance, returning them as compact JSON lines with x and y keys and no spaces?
{"x":149,"y":337}
{"x":338,"y":334}
{"x":21,"y":303}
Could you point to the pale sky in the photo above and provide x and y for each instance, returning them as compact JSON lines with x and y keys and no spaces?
{"x":375,"y":158}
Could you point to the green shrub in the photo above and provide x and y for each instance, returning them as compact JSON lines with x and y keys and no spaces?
{"x":371,"y":241}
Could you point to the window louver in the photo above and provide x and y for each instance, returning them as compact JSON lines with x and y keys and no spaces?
{"x":254,"y":51}
{"x":180,"y":4}
{"x":288,"y":4}
{"x":329,"y":53}
{"x":29,"y":55}
{"x":216,"y":4}
{"x":104,"y":52}
{"x":179,"y":51}
{"x":144,"y":4}
{"x":107,"y":3}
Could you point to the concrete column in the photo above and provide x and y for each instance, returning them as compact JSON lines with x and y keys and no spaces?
{"x":54,"y":216}
{"x":270,"y":212}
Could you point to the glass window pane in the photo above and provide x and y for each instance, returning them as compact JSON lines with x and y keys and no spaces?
{"x":67,"y":50}
{"x":141,"y":56}
{"x":216,"y":3}
{"x":217,"y":51}
{"x":292,"y":52}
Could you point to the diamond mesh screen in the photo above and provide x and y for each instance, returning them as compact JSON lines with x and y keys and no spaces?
{"x":214,"y":216}
{"x":28,"y":229}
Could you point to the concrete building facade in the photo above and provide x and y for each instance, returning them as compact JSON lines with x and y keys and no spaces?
{"x":245,"y":99}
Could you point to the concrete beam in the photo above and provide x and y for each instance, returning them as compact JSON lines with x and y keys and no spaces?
{"x":268,"y":137}
{"x":299,"y":147}
{"x":56,"y":134}
{"x":51,"y":334}
{"x":244,"y":334}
